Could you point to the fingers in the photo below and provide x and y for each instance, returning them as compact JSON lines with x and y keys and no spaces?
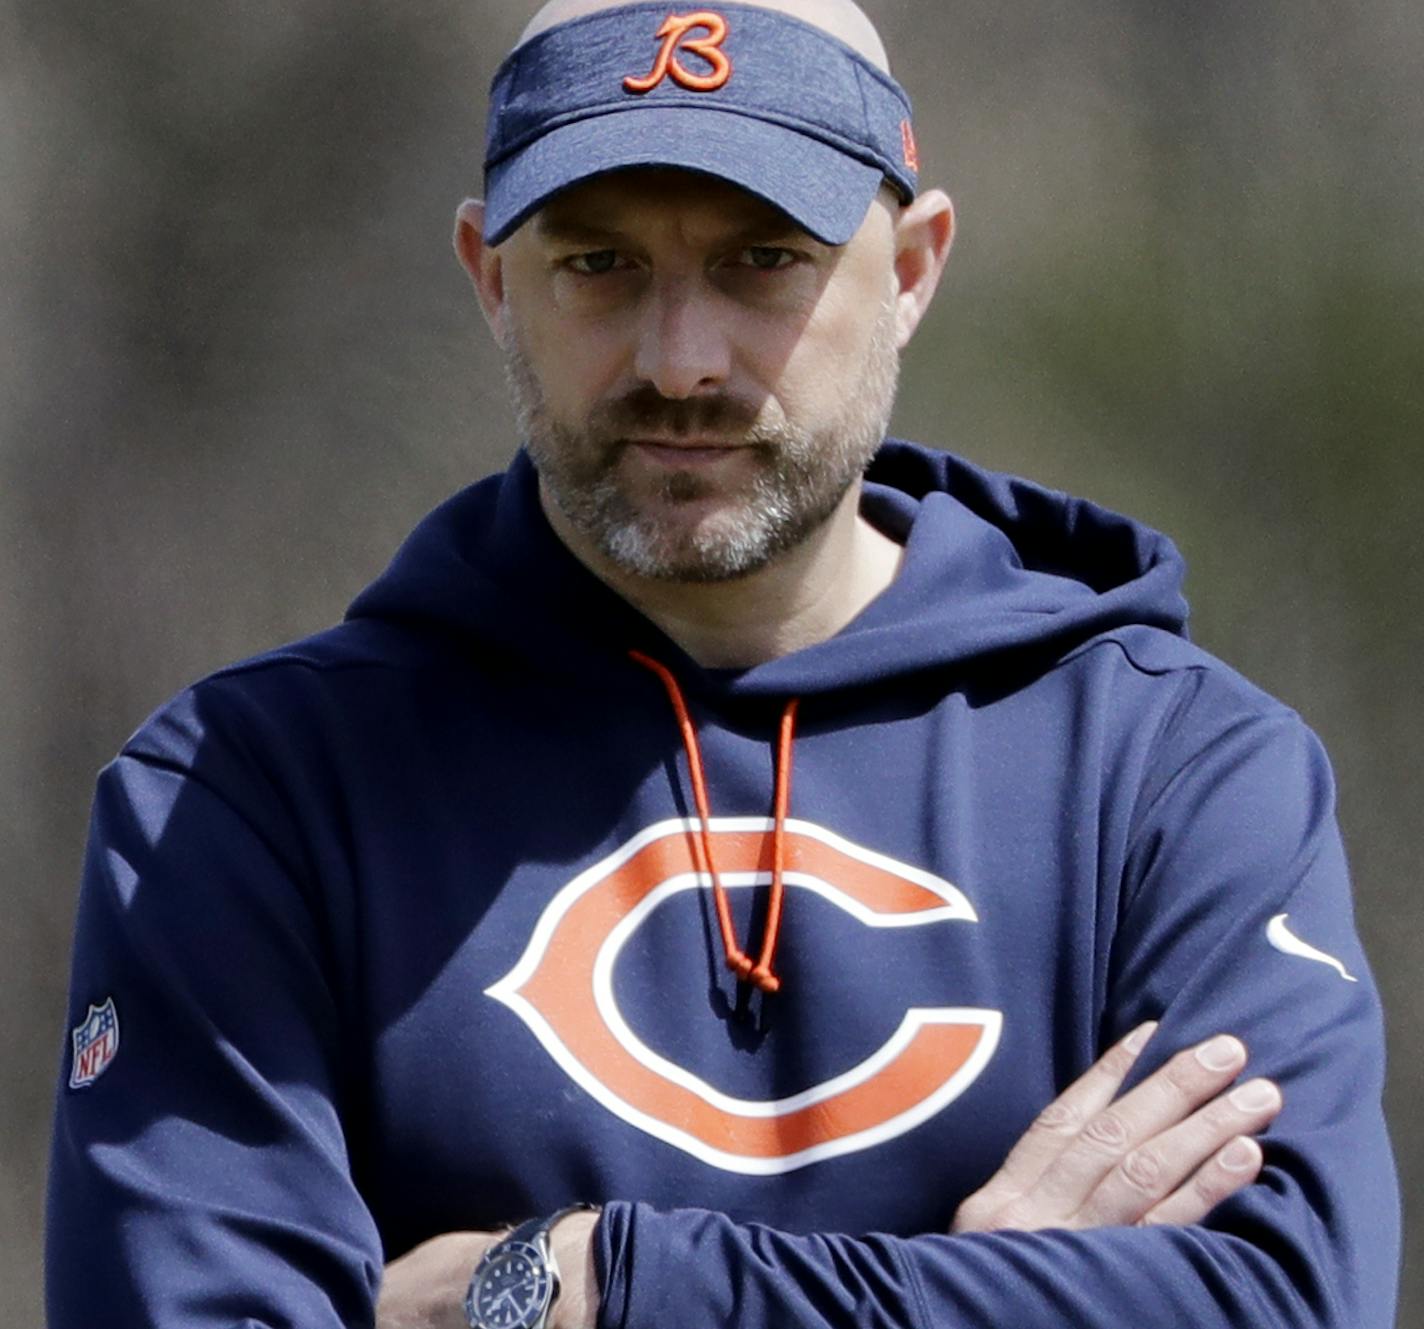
{"x":1188,"y":1168}
{"x":1231,"y":1169}
{"x":1060,"y":1123}
{"x":1166,"y":1098}
{"x":1055,"y":1128}
{"x":1168,"y":1151}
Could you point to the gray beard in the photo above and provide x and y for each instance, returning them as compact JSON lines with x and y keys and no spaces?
{"x":801,"y":475}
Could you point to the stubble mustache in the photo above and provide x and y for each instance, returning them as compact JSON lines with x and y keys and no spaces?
{"x":645,"y":412}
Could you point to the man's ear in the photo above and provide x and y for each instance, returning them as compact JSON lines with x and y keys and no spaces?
{"x":924,"y":232}
{"x":482,"y":263}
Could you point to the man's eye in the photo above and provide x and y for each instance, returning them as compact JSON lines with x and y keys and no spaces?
{"x":594,"y":264}
{"x":766,"y":258}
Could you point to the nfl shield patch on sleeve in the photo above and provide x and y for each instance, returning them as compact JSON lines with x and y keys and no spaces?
{"x":96,"y":1043}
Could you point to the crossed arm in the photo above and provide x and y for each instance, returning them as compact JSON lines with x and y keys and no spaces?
{"x":207,"y":1180}
{"x":1166,"y":1152}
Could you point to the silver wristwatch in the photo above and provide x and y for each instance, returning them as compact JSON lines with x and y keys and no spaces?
{"x":516,"y":1282}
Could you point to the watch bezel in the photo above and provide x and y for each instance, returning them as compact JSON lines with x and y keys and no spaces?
{"x":535,"y":1312}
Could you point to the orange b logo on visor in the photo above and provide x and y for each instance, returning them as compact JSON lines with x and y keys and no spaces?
{"x":674,"y":35}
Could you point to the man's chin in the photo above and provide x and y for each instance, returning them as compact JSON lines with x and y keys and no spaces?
{"x":699,"y":542}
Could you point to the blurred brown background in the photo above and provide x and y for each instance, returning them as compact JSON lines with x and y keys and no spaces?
{"x":237,"y":363}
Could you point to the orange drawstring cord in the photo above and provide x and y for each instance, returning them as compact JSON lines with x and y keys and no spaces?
{"x":762,"y":975}
{"x":738,"y":961}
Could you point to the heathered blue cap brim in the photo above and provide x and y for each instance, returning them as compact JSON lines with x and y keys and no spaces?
{"x":769,"y":103}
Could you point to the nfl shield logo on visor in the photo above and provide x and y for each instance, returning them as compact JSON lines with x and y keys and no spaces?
{"x":96,"y":1043}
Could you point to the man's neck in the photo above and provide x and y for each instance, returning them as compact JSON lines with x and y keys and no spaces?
{"x":803,"y":597}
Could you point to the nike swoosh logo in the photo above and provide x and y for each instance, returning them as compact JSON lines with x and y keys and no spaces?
{"x":1285,"y":941}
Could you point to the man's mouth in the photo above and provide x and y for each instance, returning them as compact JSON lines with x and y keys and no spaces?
{"x":685,"y":451}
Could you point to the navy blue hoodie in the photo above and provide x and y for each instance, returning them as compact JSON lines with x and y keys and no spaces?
{"x":411,"y":927}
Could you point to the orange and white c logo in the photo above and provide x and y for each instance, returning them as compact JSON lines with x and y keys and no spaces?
{"x":673,"y":31}
{"x":562,"y":988}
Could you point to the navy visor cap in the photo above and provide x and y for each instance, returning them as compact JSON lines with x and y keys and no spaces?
{"x":748,"y":95}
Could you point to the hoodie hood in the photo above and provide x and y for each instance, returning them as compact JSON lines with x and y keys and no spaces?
{"x":996,"y":568}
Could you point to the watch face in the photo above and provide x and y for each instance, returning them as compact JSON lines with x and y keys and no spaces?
{"x":511,"y":1291}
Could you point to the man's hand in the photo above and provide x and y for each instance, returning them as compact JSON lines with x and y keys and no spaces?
{"x":425,"y":1288}
{"x":1167,"y":1152}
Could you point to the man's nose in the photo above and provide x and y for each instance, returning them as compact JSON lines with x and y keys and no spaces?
{"x":683,"y":344}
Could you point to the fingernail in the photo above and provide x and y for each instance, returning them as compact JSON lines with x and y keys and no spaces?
{"x":1238,"y":1156}
{"x":1255,"y":1096}
{"x":1137,"y":1039}
{"x":1221,"y":1053}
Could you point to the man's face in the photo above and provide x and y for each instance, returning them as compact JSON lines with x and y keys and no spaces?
{"x":699,"y":382}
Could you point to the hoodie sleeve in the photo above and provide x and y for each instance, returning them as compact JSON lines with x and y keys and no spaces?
{"x":201,"y":1178}
{"x":1235,"y":917}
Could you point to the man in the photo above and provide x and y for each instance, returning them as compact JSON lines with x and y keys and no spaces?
{"x":695,"y":826}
